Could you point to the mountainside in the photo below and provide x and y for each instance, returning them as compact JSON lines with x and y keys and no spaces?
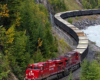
{"x":26,"y":35}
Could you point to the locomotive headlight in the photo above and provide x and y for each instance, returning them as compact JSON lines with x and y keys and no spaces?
{"x":31,"y":71}
{"x":33,"y":78}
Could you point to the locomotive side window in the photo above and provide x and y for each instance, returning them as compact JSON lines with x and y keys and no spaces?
{"x":45,"y":64}
{"x":60,"y":63}
{"x":36,"y":68}
{"x":30,"y":67}
{"x":41,"y":68}
{"x":66,"y":62}
{"x":76,"y":54}
{"x":73,"y":54}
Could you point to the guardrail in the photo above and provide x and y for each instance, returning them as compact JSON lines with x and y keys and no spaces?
{"x":77,"y":34}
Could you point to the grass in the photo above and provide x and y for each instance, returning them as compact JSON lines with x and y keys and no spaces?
{"x":64,"y":45}
{"x":70,"y":20}
{"x":72,"y":5}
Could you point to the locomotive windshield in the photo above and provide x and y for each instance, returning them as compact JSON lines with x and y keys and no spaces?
{"x":30,"y":67}
{"x":36,"y":68}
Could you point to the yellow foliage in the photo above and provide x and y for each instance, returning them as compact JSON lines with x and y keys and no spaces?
{"x":2,"y":35}
{"x":17,"y":20}
{"x":4,"y":11}
{"x":39,"y":43}
{"x":39,"y":14}
{"x":10,"y":34}
{"x":6,"y":51}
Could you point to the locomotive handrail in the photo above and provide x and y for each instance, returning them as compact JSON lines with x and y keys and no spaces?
{"x":77,"y":34}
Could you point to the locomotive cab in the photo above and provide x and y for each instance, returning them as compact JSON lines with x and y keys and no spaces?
{"x":37,"y":71}
{"x":32,"y":72}
{"x":71,"y":58}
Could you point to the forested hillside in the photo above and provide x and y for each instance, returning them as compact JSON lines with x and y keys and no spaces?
{"x":91,"y":4}
{"x":25,"y":36}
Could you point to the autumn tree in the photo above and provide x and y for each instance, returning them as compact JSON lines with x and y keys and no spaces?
{"x":13,"y":7}
{"x":4,"y":11}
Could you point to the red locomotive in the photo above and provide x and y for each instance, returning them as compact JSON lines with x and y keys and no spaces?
{"x":57,"y":67}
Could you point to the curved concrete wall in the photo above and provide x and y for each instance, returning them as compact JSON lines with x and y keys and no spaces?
{"x":77,"y":34}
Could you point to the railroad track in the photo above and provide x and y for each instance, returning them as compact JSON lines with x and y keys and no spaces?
{"x":77,"y":34}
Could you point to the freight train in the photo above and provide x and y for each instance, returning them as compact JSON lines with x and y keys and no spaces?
{"x":53,"y":68}
{"x":62,"y":65}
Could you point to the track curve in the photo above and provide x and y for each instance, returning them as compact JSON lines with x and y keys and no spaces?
{"x":77,"y":34}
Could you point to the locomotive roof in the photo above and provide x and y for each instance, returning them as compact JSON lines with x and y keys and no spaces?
{"x":71,"y":52}
{"x":38,"y":64}
{"x":67,"y":55}
{"x":56,"y":60}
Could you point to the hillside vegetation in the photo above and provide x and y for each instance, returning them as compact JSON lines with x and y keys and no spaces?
{"x":90,"y":4}
{"x":25,"y":34}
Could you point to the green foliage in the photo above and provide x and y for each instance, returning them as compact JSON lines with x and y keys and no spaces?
{"x":70,"y":20}
{"x":13,"y":7}
{"x":91,"y":4}
{"x":70,"y":76}
{"x":98,"y":3}
{"x":4,"y":67}
{"x":58,"y":5}
{"x":90,"y":71}
{"x":97,"y":56}
{"x":37,"y":26}
{"x":26,"y":37}
{"x":38,"y":56}
{"x":14,"y":48}
{"x":64,"y":45}
{"x":77,"y":17}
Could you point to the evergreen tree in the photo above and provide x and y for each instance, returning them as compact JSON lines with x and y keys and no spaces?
{"x":90,"y":71}
{"x":26,"y":37}
{"x":34,"y":20}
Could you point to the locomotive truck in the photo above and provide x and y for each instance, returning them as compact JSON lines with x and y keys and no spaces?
{"x":53,"y":68}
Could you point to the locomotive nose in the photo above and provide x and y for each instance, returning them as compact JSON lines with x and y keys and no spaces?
{"x":31,"y":74}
